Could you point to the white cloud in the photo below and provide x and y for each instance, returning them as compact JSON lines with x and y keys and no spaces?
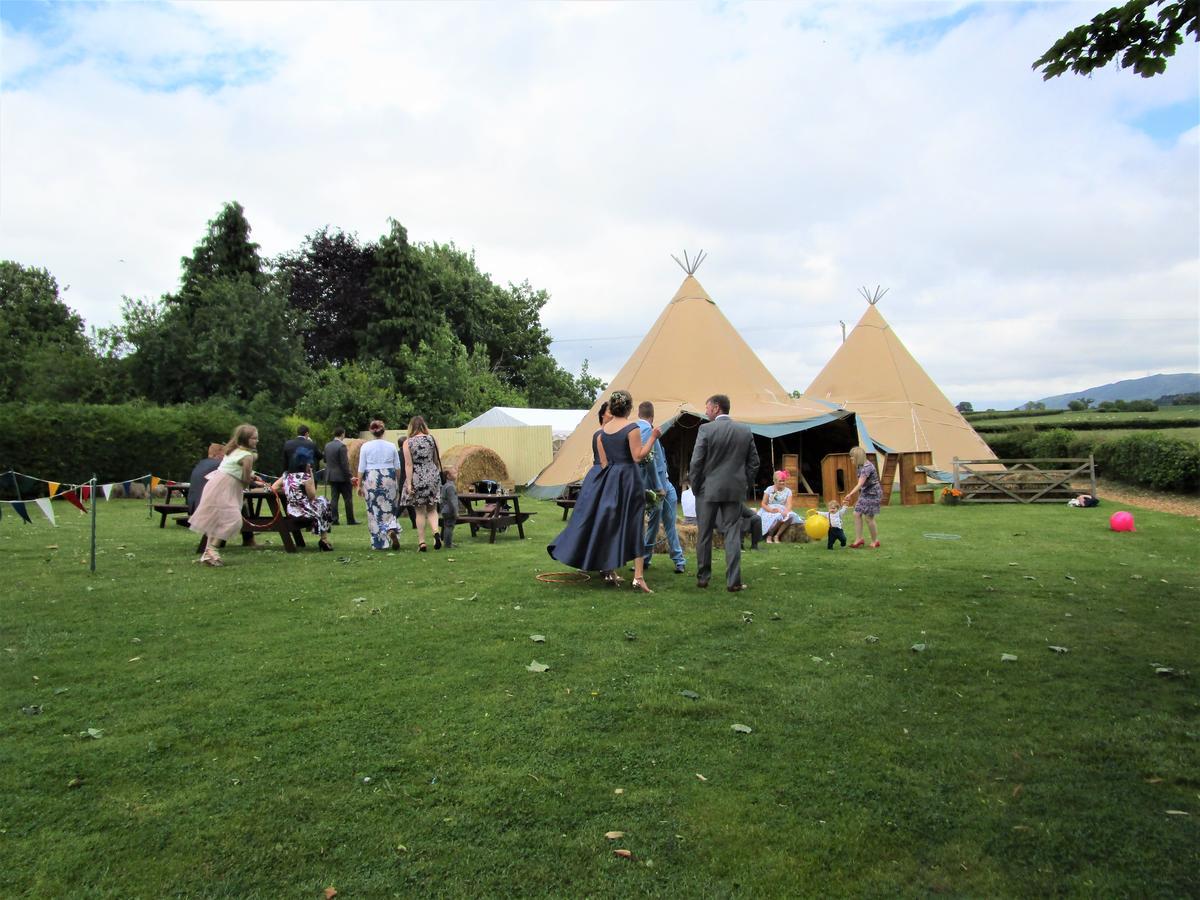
{"x":810,"y":149}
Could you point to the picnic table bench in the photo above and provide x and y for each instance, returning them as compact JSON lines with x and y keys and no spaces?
{"x":254,"y":522}
{"x":167,"y":508}
{"x":494,"y":513}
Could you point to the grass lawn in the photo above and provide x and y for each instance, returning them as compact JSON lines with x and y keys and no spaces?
{"x":366,"y":721}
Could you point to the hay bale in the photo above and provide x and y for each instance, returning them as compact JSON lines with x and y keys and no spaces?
{"x":687,"y":538}
{"x":475,"y":463}
{"x":353,"y":449}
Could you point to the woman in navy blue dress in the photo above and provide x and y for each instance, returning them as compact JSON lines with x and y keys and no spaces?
{"x":606,"y":529}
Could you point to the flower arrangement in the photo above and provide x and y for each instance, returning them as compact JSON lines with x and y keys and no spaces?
{"x":951,"y":495}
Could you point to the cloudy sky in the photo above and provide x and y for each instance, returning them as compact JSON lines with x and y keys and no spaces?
{"x":1034,"y":237}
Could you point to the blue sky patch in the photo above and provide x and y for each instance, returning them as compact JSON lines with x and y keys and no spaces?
{"x":1166,"y":123}
{"x":927,"y":32}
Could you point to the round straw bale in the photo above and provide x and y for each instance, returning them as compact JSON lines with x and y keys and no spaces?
{"x":353,"y":448}
{"x":475,"y":463}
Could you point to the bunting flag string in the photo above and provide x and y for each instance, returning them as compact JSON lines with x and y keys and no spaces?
{"x":48,"y":511}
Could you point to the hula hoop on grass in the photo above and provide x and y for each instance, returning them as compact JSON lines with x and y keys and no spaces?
{"x":935,"y":536}
{"x":563,"y":577}
{"x":279,"y":504}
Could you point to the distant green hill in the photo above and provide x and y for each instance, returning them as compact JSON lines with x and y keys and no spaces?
{"x":1150,"y":388}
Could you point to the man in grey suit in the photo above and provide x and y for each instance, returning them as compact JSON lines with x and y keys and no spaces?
{"x":724,"y":465}
{"x":337,"y":476}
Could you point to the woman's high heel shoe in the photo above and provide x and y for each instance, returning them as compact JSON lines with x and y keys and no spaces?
{"x":639,"y":584}
{"x":857,"y":545}
{"x":325,"y":546}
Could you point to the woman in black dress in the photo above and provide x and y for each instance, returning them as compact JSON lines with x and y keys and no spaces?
{"x":606,"y":529}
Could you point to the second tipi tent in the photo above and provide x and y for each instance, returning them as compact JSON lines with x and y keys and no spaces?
{"x":874,"y":375}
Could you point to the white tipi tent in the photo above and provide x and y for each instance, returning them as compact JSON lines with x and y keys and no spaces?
{"x":690,"y":353}
{"x":873,"y":374}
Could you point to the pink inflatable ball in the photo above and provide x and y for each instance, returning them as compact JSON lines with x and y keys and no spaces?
{"x":1121,"y":521}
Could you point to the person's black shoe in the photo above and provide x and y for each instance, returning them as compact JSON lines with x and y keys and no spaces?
{"x":733,"y":589}
{"x":679,"y":570}
{"x":701,"y":584}
{"x":437,"y":542}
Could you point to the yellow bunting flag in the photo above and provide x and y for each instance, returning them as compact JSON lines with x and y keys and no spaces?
{"x":154,"y":480}
{"x":53,"y":488}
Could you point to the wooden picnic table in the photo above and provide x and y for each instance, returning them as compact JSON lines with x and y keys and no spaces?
{"x":255,"y":522}
{"x":166,"y":508}
{"x":495,"y":512}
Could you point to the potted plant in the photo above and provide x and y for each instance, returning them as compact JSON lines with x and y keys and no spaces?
{"x":951,"y":496}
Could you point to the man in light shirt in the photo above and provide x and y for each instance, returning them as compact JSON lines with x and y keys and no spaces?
{"x":688,"y":501}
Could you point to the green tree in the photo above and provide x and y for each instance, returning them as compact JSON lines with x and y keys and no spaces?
{"x":965,"y":407}
{"x":38,"y":331}
{"x":405,"y":313}
{"x":228,"y":333}
{"x":1143,"y":44}
{"x":353,"y":394}
{"x":549,"y":386}
{"x":225,"y":251}
{"x":328,"y":283}
{"x":447,"y":384}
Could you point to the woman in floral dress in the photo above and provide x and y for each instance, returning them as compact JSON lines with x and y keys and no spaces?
{"x":423,"y":480}
{"x":870,"y":497}
{"x":300,"y":494}
{"x":378,"y":462}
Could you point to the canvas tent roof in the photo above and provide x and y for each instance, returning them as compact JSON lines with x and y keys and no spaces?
{"x":873,"y":374}
{"x":690,"y":353}
{"x":561,"y":421}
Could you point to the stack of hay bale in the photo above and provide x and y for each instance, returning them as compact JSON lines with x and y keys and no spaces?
{"x":475,"y":463}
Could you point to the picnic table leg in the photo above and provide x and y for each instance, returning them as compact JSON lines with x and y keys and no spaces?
{"x":517,"y":513}
{"x":492,"y":539}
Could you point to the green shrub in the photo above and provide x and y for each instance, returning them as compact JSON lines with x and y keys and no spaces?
{"x":68,"y":442}
{"x":1090,"y":425}
{"x":1152,"y":460}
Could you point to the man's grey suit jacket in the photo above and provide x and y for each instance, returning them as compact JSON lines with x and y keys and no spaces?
{"x":724,"y":462}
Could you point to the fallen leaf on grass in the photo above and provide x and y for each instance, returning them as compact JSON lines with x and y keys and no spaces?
{"x":135,"y":659}
{"x":741,"y":729}
{"x":330,"y":893}
{"x":614,"y":835}
{"x":918,"y":648}
{"x":701,"y":777}
{"x":1177,"y":812}
{"x":691,"y":695}
{"x":93,"y":733}
{"x":538,"y":638}
{"x":35,"y":710}
{"x":630,"y":635}
{"x":1017,"y":790}
{"x":1056,"y":649}
{"x":776,"y":617}
{"x":1008,"y":657}
{"x":75,"y":782}
{"x":1154,"y":780}
{"x":871,"y":639}
{"x":624,"y":854}
{"x":618,"y":790}
{"x":536,"y":666}
{"x":61,"y":690}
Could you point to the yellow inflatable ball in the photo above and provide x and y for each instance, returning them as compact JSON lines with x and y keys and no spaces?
{"x":816,"y":526}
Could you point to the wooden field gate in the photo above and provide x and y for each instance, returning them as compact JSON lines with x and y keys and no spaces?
{"x":1024,"y":480}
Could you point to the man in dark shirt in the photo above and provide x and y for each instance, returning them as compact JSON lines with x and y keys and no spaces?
{"x":337,"y":475}
{"x":289,"y":450}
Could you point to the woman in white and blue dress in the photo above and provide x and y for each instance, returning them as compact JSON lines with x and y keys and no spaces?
{"x":776,"y":510}
{"x":378,"y":463}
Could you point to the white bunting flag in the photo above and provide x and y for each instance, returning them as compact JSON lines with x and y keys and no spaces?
{"x":107,"y":488}
{"x":44,"y":505}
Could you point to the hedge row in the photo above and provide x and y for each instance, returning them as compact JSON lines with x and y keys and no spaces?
{"x":69,"y":442}
{"x":1011,"y":413}
{"x":1150,"y":460}
{"x":1090,"y":425}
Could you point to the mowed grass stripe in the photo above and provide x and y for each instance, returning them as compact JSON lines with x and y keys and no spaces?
{"x":234,"y":750}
